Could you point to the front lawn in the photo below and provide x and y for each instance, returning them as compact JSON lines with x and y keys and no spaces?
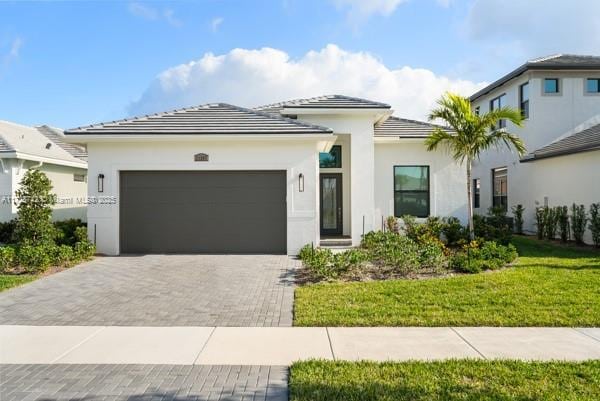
{"x":551,"y":285}
{"x":454,"y":380}
{"x":10,"y":280}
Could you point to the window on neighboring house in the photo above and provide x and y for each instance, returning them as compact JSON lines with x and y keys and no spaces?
{"x":411,"y":191}
{"x":476,"y":192}
{"x":79,"y":177}
{"x":551,"y":85}
{"x":524,"y":99}
{"x":500,"y":186}
{"x":495,"y":104}
{"x":593,"y":85}
{"x":477,"y":110}
{"x":333,"y":159}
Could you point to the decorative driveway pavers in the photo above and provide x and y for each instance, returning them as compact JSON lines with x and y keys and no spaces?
{"x":159,"y":290}
{"x":142,"y":383}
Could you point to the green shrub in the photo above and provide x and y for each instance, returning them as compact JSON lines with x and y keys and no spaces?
{"x":595,"y":223}
{"x":66,"y":231}
{"x":563,"y":223}
{"x":7,"y":231}
{"x":489,"y":256}
{"x":431,"y":255}
{"x":540,"y":222}
{"x":8,"y":258}
{"x":63,"y":255}
{"x":493,"y":227}
{"x":343,"y":262}
{"x":392,"y":224}
{"x":83,"y":250}
{"x":35,"y":258}
{"x":396,"y":252}
{"x":454,"y":232}
{"x":306,"y":252}
{"x":550,"y":222}
{"x":578,"y":222}
{"x":34,"y":225}
{"x":518,"y":215}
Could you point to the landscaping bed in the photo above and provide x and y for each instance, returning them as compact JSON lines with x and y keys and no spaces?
{"x":549,"y":286}
{"x":448,"y":380}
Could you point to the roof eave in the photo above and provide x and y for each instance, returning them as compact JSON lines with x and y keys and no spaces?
{"x":532,"y":157}
{"x":529,"y":67}
{"x":154,"y":137}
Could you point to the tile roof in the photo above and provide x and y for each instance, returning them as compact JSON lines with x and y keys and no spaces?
{"x":58,"y":137}
{"x":554,"y":62}
{"x":404,"y":128}
{"x":324,"y":102}
{"x":581,"y":141}
{"x":30,"y":141}
{"x":216,"y":118}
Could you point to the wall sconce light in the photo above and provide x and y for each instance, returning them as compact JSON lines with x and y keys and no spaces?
{"x":100,"y":182}
{"x":301,"y":182}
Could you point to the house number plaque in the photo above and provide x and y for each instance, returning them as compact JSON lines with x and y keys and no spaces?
{"x":200,"y":157}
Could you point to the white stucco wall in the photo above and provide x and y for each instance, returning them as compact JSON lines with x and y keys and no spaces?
{"x":550,"y":116}
{"x":72,"y":193}
{"x":563,"y":181}
{"x":448,"y":188}
{"x":293,"y":156}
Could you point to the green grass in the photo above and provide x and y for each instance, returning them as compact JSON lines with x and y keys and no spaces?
{"x":455,"y":380}
{"x":8,"y":281}
{"x":550,"y":286}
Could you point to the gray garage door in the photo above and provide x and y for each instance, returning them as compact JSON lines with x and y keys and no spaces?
{"x":203,"y":212}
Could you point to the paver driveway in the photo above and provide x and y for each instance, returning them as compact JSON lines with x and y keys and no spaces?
{"x":159,"y":290}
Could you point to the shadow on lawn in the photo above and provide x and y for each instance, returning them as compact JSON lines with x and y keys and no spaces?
{"x":556,"y":255}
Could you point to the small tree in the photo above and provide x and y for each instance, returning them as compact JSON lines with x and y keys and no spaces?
{"x":518,"y":213}
{"x":472,"y":135}
{"x":34,"y":225}
{"x":578,"y":222}
{"x":563,"y":222}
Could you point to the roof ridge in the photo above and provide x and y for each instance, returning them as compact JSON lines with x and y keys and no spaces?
{"x":278,"y":117}
{"x":418,"y":122}
{"x":546,"y":58}
{"x":303,"y":102}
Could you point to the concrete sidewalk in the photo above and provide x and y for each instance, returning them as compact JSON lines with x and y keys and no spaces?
{"x":284,"y":345}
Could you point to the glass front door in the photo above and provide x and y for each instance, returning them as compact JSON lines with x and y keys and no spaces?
{"x":331,"y":204}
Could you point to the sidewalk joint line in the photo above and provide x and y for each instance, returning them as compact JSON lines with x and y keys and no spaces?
{"x":330,"y":344}
{"x":578,"y":330}
{"x":468,"y":343}
{"x":79,"y":344}
{"x":205,"y":344}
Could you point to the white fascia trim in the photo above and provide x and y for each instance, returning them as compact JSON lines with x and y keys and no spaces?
{"x":397,"y":139}
{"x":89,"y":138}
{"x":48,"y":160}
{"x":339,"y":111}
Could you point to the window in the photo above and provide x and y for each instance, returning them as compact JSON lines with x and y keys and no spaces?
{"x":524,"y":99}
{"x":333,"y":159}
{"x":551,"y":85}
{"x":411,"y":191}
{"x":79,"y":177}
{"x":592,"y":85}
{"x":477,"y":110}
{"x":500,"y":185}
{"x":476,"y":192}
{"x":495,"y":104}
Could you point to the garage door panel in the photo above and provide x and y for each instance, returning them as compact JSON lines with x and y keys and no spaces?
{"x":203,"y":212}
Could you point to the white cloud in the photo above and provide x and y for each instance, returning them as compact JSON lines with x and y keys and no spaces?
{"x":254,"y":77}
{"x":171,"y":19}
{"x":142,"y":11}
{"x":357,"y":11}
{"x":152,"y":14}
{"x":215,"y":23}
{"x":13,"y":51}
{"x":537,"y":27}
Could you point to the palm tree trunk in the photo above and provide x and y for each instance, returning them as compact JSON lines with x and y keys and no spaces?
{"x":470,"y":201}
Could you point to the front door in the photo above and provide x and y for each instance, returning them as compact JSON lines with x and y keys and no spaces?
{"x":331,"y":204}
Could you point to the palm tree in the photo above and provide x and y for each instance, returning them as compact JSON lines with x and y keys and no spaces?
{"x":473,"y":134}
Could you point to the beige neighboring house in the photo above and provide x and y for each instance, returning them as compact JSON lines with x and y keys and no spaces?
{"x":23,"y":147}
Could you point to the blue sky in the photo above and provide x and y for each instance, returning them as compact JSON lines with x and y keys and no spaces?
{"x":71,"y":63}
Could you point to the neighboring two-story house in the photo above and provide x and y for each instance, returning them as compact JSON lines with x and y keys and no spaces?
{"x":559,"y":97}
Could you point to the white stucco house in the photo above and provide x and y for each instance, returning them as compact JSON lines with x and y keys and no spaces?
{"x":218,"y":178}
{"x":559,"y":97}
{"x":44,"y":148}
